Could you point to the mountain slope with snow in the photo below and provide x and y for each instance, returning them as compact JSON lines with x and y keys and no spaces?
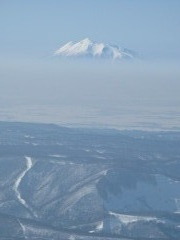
{"x":90,"y":49}
{"x":88,"y":184}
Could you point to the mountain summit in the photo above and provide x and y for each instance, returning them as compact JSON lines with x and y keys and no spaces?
{"x":90,"y":49}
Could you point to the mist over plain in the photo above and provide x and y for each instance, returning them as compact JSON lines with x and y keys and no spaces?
{"x":90,"y":92}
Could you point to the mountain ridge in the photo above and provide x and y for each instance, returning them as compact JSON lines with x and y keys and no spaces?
{"x":97,"y":50}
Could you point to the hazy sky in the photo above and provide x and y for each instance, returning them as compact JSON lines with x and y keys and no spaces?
{"x":33,"y":83}
{"x":37,"y":27}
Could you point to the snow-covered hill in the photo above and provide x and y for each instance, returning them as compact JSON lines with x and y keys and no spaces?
{"x":86,"y":184}
{"x":90,"y":49}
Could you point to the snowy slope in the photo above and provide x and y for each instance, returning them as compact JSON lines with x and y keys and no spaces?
{"x":90,"y":49}
{"x":85,"y":184}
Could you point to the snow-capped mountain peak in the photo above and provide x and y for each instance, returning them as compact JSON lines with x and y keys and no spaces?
{"x":88,"y":48}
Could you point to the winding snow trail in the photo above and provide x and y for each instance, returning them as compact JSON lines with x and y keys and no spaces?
{"x":29,"y":165}
{"x":23,"y":228}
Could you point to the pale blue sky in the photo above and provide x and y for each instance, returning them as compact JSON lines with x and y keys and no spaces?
{"x":37,"y":27}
